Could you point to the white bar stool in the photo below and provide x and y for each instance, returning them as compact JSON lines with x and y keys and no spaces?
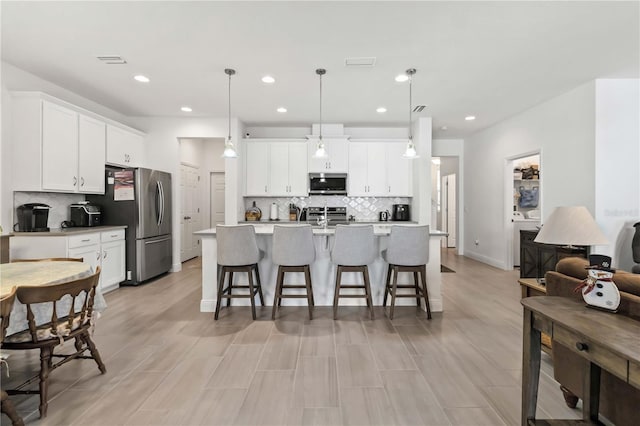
{"x":293,"y":251}
{"x":353,"y":249}
{"x":238,"y":252}
{"x":408,"y":251}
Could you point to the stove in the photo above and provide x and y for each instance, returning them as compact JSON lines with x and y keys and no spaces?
{"x":335,"y":215}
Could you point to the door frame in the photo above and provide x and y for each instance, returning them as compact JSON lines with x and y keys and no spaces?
{"x":508,"y":228}
{"x":444,"y":203}
{"x":211,"y":214}
{"x":199,"y":202}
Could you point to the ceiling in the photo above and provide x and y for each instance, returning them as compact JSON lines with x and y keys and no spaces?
{"x":488,"y":59}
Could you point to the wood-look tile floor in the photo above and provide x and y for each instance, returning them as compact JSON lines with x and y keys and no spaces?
{"x":169,"y":364}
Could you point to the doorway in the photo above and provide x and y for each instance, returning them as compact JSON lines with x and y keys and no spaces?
{"x":449,"y":209}
{"x":523,"y":178}
{"x":217,"y":198}
{"x":189,"y":211}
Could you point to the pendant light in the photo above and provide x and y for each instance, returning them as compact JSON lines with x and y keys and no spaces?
{"x":229,"y":149}
{"x":410,"y":152}
{"x":320,"y":151}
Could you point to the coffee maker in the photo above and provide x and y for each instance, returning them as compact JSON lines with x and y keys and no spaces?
{"x":32,"y":217}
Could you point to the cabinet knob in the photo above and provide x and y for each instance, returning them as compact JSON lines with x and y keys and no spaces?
{"x":81,"y":181}
{"x":582,"y":347}
{"x":98,"y":255}
{"x":104,"y":255}
{"x":75,"y":180}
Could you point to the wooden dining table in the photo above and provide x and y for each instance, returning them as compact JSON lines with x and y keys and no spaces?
{"x":22,"y":274}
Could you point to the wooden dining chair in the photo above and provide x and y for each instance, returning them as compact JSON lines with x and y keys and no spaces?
{"x":51,"y":259}
{"x":6,"y":406}
{"x":73,"y":301}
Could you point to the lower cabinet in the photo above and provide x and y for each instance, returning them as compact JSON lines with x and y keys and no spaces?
{"x":105,"y":249}
{"x":536,"y":258}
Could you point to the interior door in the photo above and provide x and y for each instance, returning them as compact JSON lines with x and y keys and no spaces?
{"x":217,"y":199}
{"x":189,"y":211}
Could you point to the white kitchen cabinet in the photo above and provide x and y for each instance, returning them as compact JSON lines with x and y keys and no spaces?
{"x":59,"y":148}
{"x":62,"y":148}
{"x":276,"y":169}
{"x":91,"y":155}
{"x":124,"y":148}
{"x":257,"y":168}
{"x":377,"y":169}
{"x":337,"y":160}
{"x":101,"y":248}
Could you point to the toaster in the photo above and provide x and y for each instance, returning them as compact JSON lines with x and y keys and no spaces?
{"x":85,"y":214}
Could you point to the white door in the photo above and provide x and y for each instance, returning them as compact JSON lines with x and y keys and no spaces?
{"x":89,"y":254}
{"x":91,"y":148}
{"x":449,"y":205}
{"x":377,"y":170}
{"x":113,"y":264}
{"x":59,"y":148}
{"x":358,"y":162}
{"x":217,"y":199}
{"x":190,"y":212}
{"x":279,"y":169}
{"x":399,"y":171}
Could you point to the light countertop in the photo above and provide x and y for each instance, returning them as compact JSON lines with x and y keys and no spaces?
{"x":379,"y":228}
{"x":57,"y":232}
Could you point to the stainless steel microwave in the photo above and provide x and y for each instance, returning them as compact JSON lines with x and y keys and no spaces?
{"x":327,"y":184}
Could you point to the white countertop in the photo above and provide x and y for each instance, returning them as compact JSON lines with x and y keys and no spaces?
{"x":267,"y":229}
{"x":57,"y":232}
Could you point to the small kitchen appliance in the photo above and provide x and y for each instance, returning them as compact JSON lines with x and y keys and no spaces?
{"x":327,"y":184}
{"x":32,"y":217}
{"x":401,"y":212}
{"x":384,"y":216}
{"x":335,"y":215}
{"x":85,"y":214}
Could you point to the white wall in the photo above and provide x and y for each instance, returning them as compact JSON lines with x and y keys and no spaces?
{"x":617,"y":168}
{"x":163,"y":153}
{"x":563,"y":130}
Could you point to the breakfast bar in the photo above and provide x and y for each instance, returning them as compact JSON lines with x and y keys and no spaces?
{"x":322,"y":270}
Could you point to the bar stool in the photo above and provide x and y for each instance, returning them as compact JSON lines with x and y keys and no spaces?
{"x":238,"y":252}
{"x":293,"y":251}
{"x":408,"y":251}
{"x":353,"y":249}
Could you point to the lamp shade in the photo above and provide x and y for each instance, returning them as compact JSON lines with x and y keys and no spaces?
{"x":571,"y":226}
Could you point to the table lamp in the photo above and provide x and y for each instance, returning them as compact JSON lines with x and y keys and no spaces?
{"x":571,"y":226}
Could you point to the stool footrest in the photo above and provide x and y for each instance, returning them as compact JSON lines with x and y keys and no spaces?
{"x":352,"y":286}
{"x":292,"y":296}
{"x":353,"y":296}
{"x":293,"y":286}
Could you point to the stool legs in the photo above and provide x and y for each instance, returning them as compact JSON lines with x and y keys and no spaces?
{"x":419,"y":278}
{"x":280,"y":286}
{"x":228,"y":291}
{"x":366,"y":286}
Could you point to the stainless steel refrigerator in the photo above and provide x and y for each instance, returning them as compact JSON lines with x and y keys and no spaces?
{"x":141,"y":199}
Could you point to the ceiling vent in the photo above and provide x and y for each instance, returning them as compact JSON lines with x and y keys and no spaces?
{"x":111,"y":59}
{"x":419,"y":108}
{"x":360,"y":62}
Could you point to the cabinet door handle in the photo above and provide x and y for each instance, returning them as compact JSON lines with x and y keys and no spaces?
{"x":97,"y":255}
{"x":114,"y":235}
{"x":85,"y":240}
{"x":389,"y":188}
{"x":265,"y":188}
{"x":329,"y":164}
{"x":75,"y":181}
{"x":81,"y":181}
{"x":104,"y":255}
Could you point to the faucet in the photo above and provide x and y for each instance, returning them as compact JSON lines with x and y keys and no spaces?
{"x":323,"y":220}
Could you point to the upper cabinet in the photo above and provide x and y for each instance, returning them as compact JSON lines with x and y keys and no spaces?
{"x":337,"y":160}
{"x":276,"y":168}
{"x":124,"y":148}
{"x":58,"y":147}
{"x":377,"y":169}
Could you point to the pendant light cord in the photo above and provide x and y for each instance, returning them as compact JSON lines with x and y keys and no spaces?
{"x":320,"y":107}
{"x":410,"y":104}
{"x":229,"y":127}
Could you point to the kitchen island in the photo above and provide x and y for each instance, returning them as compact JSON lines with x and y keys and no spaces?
{"x":322,"y":270}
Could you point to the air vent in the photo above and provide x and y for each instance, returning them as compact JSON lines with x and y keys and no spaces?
{"x":112,"y":59}
{"x":419,"y":108}
{"x":360,"y":62}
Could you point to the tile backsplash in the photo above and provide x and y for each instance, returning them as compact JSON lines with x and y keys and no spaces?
{"x":363,"y":208}
{"x":59,"y":204}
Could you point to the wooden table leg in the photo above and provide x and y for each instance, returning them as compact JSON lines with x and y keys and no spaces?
{"x":530,"y":368}
{"x":591,"y":390}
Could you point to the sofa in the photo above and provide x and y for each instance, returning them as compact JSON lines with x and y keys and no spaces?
{"x":619,"y":402}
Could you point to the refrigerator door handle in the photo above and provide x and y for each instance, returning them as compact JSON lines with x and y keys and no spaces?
{"x":158,"y":203}
{"x":161,"y":203}
{"x":156,"y":241}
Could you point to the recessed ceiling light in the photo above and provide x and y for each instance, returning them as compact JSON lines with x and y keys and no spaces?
{"x":282,"y":109}
{"x":268,"y":79}
{"x":470,"y":117}
{"x":186,"y":109}
{"x":401,"y":78}
{"x":141,"y":78}
{"x":443,"y":128}
{"x":381,"y":110}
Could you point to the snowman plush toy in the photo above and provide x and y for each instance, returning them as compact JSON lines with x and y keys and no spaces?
{"x":598,"y":289}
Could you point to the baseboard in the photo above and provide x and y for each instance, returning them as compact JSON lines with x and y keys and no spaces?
{"x":485,"y":259}
{"x":207,"y":305}
{"x":210,"y":305}
{"x":176,"y":267}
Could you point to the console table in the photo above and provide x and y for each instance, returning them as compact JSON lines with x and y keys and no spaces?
{"x":608,"y":341}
